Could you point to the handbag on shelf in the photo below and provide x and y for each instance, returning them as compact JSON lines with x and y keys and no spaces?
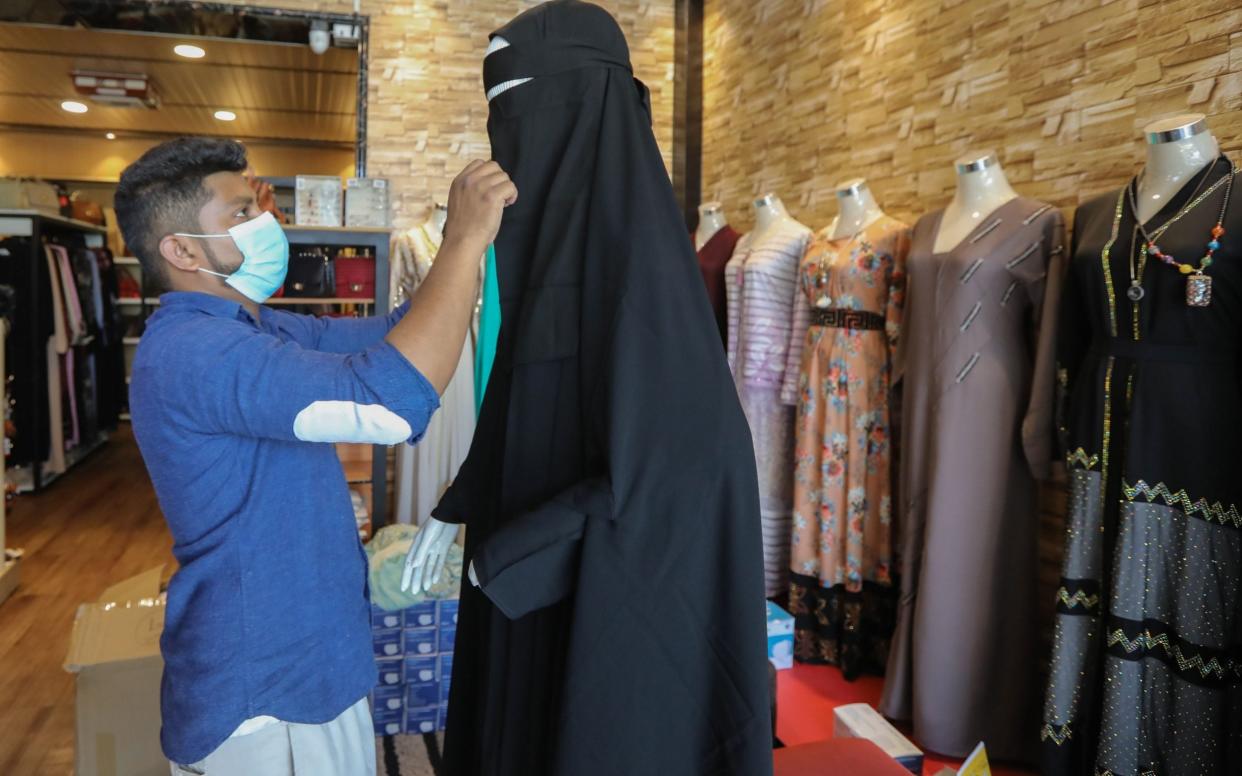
{"x":310,"y":273}
{"x":355,"y":276}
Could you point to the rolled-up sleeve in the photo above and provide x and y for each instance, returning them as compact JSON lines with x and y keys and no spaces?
{"x":238,"y":381}
{"x":336,"y":335}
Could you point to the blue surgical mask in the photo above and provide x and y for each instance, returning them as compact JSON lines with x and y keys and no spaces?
{"x":264,"y":248}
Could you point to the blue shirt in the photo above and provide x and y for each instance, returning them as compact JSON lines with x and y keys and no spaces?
{"x":268,"y":613}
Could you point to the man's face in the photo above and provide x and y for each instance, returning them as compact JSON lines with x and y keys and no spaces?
{"x":232,"y":202}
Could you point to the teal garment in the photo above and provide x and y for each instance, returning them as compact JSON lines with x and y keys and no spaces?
{"x":489,"y":330}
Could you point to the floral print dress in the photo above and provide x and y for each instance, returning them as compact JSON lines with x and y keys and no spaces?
{"x":847,"y":318}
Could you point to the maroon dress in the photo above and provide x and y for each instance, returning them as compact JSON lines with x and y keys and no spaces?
{"x":713,"y":257}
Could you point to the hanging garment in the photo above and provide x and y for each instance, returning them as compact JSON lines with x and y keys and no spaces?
{"x":713,"y":257}
{"x":847,"y":320}
{"x":978,"y":378}
{"x":488,"y":326}
{"x":610,"y":491}
{"x":1147,"y":653}
{"x":761,"y":280}
{"x":412,"y":254}
{"x":57,"y":348}
{"x":424,"y":471}
{"x":32,"y":326}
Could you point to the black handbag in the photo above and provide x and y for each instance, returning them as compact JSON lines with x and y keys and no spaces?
{"x":310,"y":273}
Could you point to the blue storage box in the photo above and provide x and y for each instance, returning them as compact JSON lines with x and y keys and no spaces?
{"x":422,"y":642}
{"x":422,"y":720}
{"x":382,"y":620}
{"x":414,"y":658}
{"x":448,"y":611}
{"x":421,"y":615}
{"x":391,"y":671}
{"x":388,"y":722}
{"x":448,"y":635}
{"x":387,"y":699}
{"x":421,"y":670}
{"x":780,"y":637}
{"x":387,"y":643}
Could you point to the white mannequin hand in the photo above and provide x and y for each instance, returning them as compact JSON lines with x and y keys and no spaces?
{"x":428,"y":553}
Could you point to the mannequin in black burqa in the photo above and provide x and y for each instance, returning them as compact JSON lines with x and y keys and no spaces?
{"x":617,"y":626}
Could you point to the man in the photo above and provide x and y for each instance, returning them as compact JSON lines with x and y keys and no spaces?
{"x":236,"y":407}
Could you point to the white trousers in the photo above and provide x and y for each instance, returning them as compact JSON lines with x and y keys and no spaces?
{"x":343,"y":747}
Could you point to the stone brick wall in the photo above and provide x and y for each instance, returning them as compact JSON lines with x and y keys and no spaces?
{"x":427,"y":116}
{"x":802,"y":94}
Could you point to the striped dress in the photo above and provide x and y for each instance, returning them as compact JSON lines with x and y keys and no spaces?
{"x":761,"y":284}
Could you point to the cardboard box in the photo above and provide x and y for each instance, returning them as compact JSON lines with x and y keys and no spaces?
{"x":859,"y":720}
{"x":780,"y":637}
{"x":115,"y":652}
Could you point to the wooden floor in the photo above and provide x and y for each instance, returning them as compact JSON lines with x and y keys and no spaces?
{"x":95,"y":526}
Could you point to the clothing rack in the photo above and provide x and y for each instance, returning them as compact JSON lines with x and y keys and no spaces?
{"x":25,"y":233}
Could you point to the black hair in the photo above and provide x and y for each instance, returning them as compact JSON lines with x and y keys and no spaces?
{"x":163,"y":192}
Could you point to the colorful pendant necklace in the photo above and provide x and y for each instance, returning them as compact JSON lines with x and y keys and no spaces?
{"x":1198,"y":283}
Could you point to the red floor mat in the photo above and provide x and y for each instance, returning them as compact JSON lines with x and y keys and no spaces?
{"x":806,"y":696}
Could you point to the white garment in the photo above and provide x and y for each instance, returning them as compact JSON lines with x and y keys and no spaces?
{"x":425,"y":470}
{"x":343,"y":747}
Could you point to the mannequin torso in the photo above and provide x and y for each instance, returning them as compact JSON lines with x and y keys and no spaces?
{"x":858,"y":209}
{"x":1177,"y":150}
{"x":711,"y":220}
{"x":981,"y":188}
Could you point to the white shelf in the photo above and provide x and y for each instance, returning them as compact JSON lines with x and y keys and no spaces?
{"x":130,"y":340}
{"x":127,"y":260}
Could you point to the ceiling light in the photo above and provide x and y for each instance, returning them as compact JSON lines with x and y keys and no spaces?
{"x":111,"y":136}
{"x":73,"y":107}
{"x":226,"y":115}
{"x":189,"y":52}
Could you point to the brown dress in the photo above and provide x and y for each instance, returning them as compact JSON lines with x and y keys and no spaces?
{"x":845,"y":330}
{"x":979,"y":382}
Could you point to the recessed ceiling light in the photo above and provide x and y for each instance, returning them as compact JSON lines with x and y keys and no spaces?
{"x":74,"y":107}
{"x":111,"y":136}
{"x":226,"y":115}
{"x":190,"y":52}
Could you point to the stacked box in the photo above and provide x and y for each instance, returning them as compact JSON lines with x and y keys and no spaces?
{"x":414,"y":655}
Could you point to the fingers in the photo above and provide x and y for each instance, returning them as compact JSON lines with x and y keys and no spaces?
{"x":439,"y":570}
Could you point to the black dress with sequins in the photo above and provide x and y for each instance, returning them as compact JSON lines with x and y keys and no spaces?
{"x":1147,"y":658}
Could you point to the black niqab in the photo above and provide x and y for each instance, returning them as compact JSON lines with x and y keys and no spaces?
{"x":610,"y":490}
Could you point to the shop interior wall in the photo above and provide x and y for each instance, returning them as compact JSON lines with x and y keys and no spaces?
{"x":800,"y":95}
{"x":427,"y":115}
{"x":87,"y":157}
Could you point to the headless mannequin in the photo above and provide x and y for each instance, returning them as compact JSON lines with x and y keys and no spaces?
{"x":857,"y":209}
{"x":769,"y":212}
{"x":1177,"y":150}
{"x":424,"y":563}
{"x":981,"y":188}
{"x":711,"y":220}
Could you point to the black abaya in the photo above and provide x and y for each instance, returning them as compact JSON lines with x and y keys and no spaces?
{"x":610,"y":490}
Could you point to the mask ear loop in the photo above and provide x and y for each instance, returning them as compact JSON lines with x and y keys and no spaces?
{"x":204,"y":237}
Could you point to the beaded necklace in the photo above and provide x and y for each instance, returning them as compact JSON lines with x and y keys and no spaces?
{"x":1198,"y":283}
